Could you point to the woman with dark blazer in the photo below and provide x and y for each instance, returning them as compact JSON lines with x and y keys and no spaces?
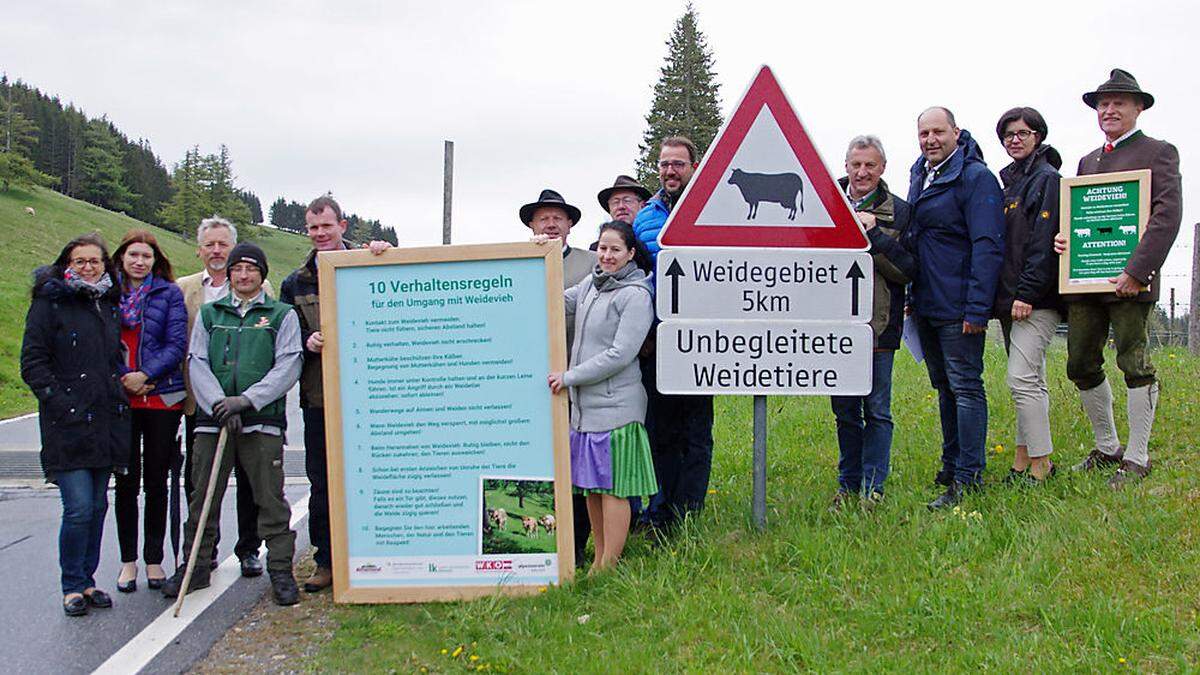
{"x":71,"y":359}
{"x":154,"y":338}
{"x":1027,"y":302}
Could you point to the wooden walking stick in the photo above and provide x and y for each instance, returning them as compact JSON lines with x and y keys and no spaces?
{"x":198,"y":535}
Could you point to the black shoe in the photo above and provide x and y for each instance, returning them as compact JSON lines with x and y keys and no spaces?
{"x":128,"y":587}
{"x":155,"y":584}
{"x":945,"y":478}
{"x":283,"y":587}
{"x":1015,"y":477}
{"x":75,"y":606}
{"x":200,"y":579}
{"x":252,"y":566}
{"x":214,"y":563}
{"x":99,"y":599}
{"x":951,"y":497}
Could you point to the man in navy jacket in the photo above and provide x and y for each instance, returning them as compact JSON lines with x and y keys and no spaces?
{"x":957,"y":233}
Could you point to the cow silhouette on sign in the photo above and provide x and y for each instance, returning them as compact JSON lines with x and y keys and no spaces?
{"x":780,"y":188}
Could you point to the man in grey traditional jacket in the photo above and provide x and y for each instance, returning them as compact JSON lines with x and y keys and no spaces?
{"x":1118,"y":103}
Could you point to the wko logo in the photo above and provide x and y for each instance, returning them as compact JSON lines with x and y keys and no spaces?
{"x":490,"y":565}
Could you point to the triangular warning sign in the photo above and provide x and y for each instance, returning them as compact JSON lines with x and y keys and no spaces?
{"x":763,"y":184}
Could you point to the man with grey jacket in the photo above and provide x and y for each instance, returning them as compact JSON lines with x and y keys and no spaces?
{"x":1118,"y":103}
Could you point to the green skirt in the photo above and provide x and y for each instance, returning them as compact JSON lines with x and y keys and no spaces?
{"x":632,"y":465}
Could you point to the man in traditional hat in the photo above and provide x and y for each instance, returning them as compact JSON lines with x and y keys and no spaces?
{"x":624,"y":199}
{"x":552,"y":216}
{"x":1118,"y":103}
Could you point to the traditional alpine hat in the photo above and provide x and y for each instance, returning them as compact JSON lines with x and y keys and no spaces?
{"x":548,"y":198}
{"x":622,"y":182}
{"x":1119,"y":82}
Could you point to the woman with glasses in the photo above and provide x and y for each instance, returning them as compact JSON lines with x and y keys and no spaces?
{"x":71,"y":359}
{"x":1027,"y":302}
{"x":154,"y":335}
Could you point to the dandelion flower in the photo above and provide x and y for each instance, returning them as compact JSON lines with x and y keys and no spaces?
{"x":1122,"y":659}
{"x":541,"y":589}
{"x":445,"y":651}
{"x":474,"y":657}
{"x":458,"y":650}
{"x":712,"y":491}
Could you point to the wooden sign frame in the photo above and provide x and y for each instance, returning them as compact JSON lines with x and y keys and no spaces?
{"x":328,"y":264}
{"x":1142,"y":176}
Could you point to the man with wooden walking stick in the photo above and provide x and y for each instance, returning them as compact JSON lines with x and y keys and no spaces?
{"x":245,"y":355}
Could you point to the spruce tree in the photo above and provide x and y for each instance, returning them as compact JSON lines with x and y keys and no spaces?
{"x":103,"y":172}
{"x":686,"y":98}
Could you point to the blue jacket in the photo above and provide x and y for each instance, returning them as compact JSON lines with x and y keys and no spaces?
{"x":957,"y":232}
{"x":648,"y":222}
{"x":164,"y":341}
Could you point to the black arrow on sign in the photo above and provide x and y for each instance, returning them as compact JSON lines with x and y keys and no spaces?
{"x":674,"y":271}
{"x":854,"y":275}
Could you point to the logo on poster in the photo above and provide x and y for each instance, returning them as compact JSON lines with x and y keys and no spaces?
{"x":368,"y":568}
{"x":492,"y":565}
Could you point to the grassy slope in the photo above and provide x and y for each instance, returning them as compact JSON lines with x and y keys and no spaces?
{"x":1069,"y":577}
{"x":27,"y":242}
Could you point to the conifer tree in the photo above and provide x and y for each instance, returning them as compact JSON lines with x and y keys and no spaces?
{"x":103,"y":173}
{"x":686,"y":98}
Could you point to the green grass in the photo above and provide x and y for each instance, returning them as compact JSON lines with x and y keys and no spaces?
{"x":1067,"y":577}
{"x":27,"y":242}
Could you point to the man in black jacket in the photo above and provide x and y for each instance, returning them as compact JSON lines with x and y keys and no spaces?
{"x":864,"y":423}
{"x":326,"y":228}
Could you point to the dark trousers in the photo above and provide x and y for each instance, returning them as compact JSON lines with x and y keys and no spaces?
{"x":583,"y":526}
{"x":681,"y":444}
{"x":955,"y":364}
{"x":316,"y":466}
{"x":864,"y":431}
{"x":84,"y":494}
{"x":1087,"y":332}
{"x":262,"y":456}
{"x":249,"y":540}
{"x":153,"y":447}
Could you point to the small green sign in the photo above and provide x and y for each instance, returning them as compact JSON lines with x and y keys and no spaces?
{"x":1103,"y":229}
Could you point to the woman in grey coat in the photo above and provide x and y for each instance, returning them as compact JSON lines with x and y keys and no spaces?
{"x":610,"y":453}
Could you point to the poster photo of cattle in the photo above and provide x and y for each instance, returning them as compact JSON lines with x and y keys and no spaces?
{"x":518,"y":516}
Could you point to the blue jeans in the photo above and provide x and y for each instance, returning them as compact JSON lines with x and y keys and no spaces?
{"x":864,"y":430}
{"x":84,"y":494}
{"x":955,"y":363}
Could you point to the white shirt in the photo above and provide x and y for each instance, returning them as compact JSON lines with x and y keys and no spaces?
{"x":1123,"y":136}
{"x":212,"y":293}
{"x":931,"y":172}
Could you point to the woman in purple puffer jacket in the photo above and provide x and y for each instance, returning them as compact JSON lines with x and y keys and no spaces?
{"x":154,"y":337}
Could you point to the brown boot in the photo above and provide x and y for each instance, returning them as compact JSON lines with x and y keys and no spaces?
{"x":1130,"y":472}
{"x":1097,"y":459}
{"x":321,"y":578}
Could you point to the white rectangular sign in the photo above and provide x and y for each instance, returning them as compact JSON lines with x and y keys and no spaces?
{"x":764,"y":357}
{"x":777,"y":284}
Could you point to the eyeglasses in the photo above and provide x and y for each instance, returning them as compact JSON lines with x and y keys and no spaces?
{"x":84,"y":262}
{"x":676,"y":164}
{"x":1023,"y":134}
{"x":627,"y":200}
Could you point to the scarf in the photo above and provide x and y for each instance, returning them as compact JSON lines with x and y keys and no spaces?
{"x":93,"y":290}
{"x":133,"y":302}
{"x":602,"y":279}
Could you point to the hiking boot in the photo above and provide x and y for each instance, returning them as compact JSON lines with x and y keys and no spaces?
{"x":840,"y":499}
{"x":871,"y":501}
{"x":200,"y":579}
{"x":283,"y":587}
{"x":951,"y":497}
{"x":945,"y":477}
{"x":321,"y":578}
{"x":1097,"y":460}
{"x":1130,"y":472}
{"x":251,"y":565}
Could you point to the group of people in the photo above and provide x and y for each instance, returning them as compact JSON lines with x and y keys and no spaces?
{"x":962,"y":249}
{"x":117,"y":351}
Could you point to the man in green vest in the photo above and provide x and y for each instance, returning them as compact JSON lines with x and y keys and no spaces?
{"x":245,"y":355}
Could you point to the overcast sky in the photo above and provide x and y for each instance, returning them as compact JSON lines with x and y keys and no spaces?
{"x":357,"y":98}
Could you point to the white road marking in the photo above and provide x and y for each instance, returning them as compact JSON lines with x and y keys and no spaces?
{"x":155,"y":637}
{"x":17,"y":419}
